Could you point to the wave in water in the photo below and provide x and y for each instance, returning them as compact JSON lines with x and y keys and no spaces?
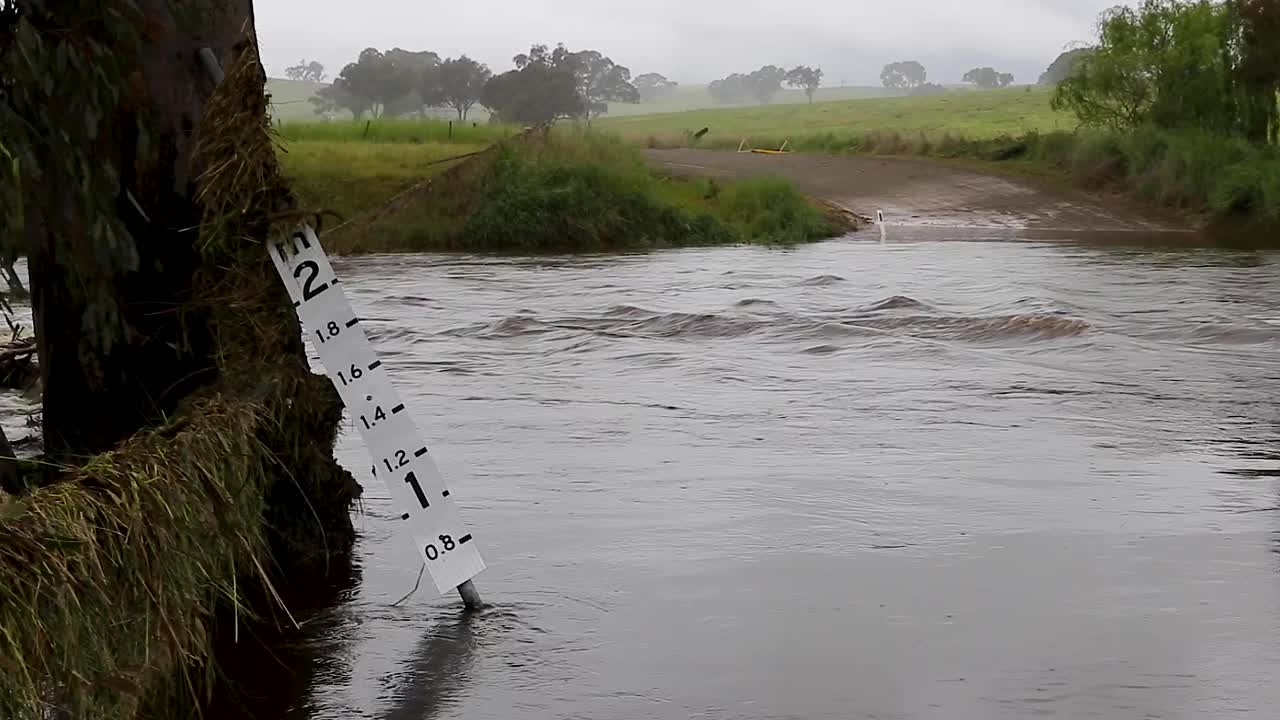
{"x":982,"y":328}
{"x":897,"y":302}
{"x":821,"y":281}
{"x":880,"y":317}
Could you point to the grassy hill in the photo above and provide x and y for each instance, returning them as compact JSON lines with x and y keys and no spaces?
{"x":970,"y":113}
{"x":289,"y":100}
{"x":695,"y":97}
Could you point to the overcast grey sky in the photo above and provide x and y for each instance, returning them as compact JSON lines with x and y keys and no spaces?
{"x":692,"y":41}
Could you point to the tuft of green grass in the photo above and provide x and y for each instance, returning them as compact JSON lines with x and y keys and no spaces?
{"x":761,"y":210}
{"x":771,"y":210}
{"x":109,"y":580}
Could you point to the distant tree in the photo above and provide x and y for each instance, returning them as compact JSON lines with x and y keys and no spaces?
{"x":734,"y":88}
{"x":461,"y":82}
{"x":541,"y":55}
{"x":1064,"y":66}
{"x":805,"y":77}
{"x":308,"y":71}
{"x":417,"y":75}
{"x":374,"y":82}
{"x":927,"y":89}
{"x":987,"y":78}
{"x":904,"y":75}
{"x":536,"y":94}
{"x":652,"y":86}
{"x":761,"y":85}
{"x":331,"y":99}
{"x":601,"y":81}
{"x":766,"y":82}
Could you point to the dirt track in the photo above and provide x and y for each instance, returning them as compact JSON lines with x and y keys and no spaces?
{"x":925,"y":194}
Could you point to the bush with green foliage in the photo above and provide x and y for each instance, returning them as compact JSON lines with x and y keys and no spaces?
{"x":572,"y":191}
{"x":545,"y":202}
{"x":1182,"y":64}
{"x":587,"y":192}
{"x":1189,"y":169}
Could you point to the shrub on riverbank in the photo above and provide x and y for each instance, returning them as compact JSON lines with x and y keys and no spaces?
{"x":1226,"y":178}
{"x":765,"y":207}
{"x":580,"y":192}
{"x":557,"y":199}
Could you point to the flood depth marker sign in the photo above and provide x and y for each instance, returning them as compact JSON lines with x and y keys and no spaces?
{"x":400,"y":458}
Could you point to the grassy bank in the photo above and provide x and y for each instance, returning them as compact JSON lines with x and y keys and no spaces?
{"x":352,"y":167}
{"x":411,"y":131}
{"x":350,"y":178}
{"x":1226,"y":178}
{"x":563,"y":192}
{"x":695,"y":97}
{"x":1221,"y":178}
{"x":1006,"y":131}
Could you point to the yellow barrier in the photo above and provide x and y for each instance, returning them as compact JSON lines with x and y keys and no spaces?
{"x":743,"y":148}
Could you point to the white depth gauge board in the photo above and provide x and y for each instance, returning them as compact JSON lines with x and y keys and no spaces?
{"x":400,"y":458}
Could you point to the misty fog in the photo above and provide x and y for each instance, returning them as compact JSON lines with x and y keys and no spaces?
{"x":694,"y":42}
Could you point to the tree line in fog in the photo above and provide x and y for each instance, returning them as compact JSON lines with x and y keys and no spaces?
{"x":547,"y":84}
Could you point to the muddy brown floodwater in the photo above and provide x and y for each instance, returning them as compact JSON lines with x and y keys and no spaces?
{"x":988,"y":468}
{"x":910,"y":479}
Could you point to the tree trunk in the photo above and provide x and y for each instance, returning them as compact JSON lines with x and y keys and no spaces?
{"x":10,"y":477}
{"x":154,"y":352}
{"x":120,"y":350}
{"x":148,"y":193}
